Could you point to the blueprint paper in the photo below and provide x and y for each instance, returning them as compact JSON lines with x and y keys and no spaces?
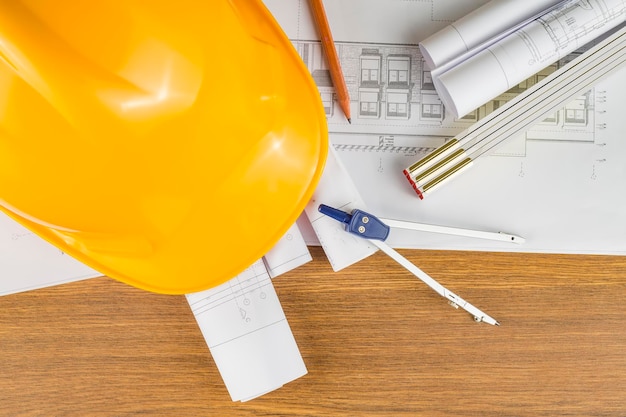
{"x":288,"y":253}
{"x":27,"y":262}
{"x":493,"y":70}
{"x":248,"y":335}
{"x":558,"y":185}
{"x":337,"y":190}
{"x":482,"y":25}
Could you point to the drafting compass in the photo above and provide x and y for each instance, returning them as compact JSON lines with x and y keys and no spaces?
{"x":376,"y":231}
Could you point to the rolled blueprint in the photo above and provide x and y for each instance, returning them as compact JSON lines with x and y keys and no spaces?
{"x":484,"y":23}
{"x":523,"y":53}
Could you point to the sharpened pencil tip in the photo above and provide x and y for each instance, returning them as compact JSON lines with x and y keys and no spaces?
{"x":350,"y":121}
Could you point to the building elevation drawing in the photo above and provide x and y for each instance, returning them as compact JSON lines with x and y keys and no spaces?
{"x":559,"y":173}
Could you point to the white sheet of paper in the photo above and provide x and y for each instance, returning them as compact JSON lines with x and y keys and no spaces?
{"x":27,"y":262}
{"x":337,"y":190}
{"x":248,"y":335}
{"x":289,"y":253}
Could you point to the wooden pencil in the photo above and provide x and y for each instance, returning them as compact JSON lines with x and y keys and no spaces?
{"x":328,"y":46}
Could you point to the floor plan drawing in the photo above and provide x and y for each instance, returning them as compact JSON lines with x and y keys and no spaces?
{"x":397,"y":117}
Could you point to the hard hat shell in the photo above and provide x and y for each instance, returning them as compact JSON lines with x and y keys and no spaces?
{"x":166,"y":144}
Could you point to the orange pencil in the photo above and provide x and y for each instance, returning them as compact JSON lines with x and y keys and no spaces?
{"x":328,"y":46}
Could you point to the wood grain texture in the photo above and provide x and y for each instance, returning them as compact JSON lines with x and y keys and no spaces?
{"x":376,"y":342}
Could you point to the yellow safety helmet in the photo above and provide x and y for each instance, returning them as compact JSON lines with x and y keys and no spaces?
{"x":166,"y":144}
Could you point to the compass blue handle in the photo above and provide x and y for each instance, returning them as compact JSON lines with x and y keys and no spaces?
{"x":339,"y":215}
{"x":359,"y":222}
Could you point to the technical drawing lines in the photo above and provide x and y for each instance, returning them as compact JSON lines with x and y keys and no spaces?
{"x":240,"y":290}
{"x":406,"y":150}
{"x":388,"y":144}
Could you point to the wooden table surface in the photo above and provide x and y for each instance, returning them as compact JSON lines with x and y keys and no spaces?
{"x":375,"y":340}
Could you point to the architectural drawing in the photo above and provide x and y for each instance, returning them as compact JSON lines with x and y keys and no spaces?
{"x":477,"y":76}
{"x":238,"y":293}
{"x":389,"y":82}
{"x":392,"y":88}
{"x":531,"y":186}
{"x":394,"y":99}
{"x":485,"y":24}
{"x":246,"y":330}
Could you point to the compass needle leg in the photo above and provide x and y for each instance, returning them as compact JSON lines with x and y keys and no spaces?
{"x":370,"y":227}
